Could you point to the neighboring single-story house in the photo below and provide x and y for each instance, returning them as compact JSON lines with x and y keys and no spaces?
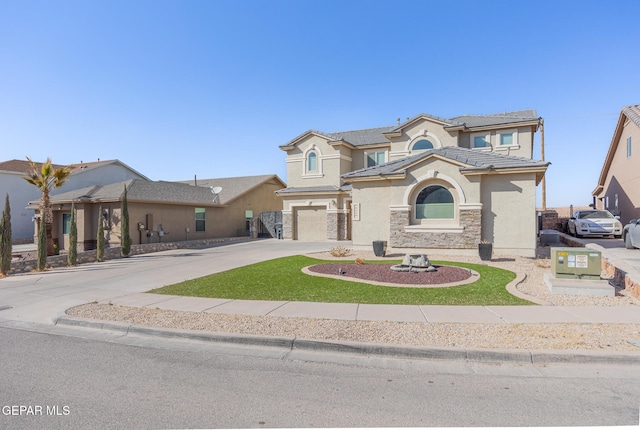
{"x":428,"y":183}
{"x":164,"y":211}
{"x":618,"y":187}
{"x":21,"y":192}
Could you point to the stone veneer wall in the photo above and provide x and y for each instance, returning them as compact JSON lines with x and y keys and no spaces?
{"x":115,"y":252}
{"x":467,"y":239}
{"x":332,"y":226}
{"x":342,"y":226}
{"x":287,"y":225}
{"x":336,"y":226}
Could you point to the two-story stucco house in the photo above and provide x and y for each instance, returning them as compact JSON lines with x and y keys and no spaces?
{"x":428,"y":183}
{"x":618,"y":187}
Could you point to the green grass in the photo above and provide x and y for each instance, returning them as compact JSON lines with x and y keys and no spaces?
{"x":282,"y":279}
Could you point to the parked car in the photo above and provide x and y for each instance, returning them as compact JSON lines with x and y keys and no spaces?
{"x":594,"y":223}
{"x":631,"y":234}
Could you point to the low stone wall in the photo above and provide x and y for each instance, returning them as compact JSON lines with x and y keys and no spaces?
{"x":115,"y":252}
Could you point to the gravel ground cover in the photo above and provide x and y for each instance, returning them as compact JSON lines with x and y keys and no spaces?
{"x":545,"y":336}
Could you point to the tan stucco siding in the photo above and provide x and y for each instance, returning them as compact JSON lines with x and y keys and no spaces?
{"x":623,"y":178}
{"x":509,"y":213}
{"x":425,"y":129}
{"x":524,"y":147}
{"x":435,"y":169}
{"x":329,"y":163}
{"x":373,"y":201}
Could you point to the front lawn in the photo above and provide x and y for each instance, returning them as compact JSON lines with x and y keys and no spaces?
{"x":282,"y":279}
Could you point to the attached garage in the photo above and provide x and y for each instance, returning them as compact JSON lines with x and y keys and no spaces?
{"x":311,"y":223}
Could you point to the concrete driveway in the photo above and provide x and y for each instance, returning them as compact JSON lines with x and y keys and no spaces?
{"x":42,"y":297}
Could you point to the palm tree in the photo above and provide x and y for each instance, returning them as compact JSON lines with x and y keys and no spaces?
{"x":45,"y":177}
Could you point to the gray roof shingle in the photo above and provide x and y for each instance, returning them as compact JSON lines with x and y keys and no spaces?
{"x":140,"y":190}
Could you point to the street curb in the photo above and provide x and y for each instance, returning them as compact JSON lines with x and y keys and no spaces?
{"x":369,"y":349}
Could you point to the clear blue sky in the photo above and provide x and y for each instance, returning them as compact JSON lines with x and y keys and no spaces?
{"x":212,"y":88}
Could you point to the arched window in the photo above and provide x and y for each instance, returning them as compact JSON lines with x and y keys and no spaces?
{"x":435,"y":202}
{"x":312,"y":162}
{"x":422,"y":144}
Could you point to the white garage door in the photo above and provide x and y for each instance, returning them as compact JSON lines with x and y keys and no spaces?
{"x":311,"y":223}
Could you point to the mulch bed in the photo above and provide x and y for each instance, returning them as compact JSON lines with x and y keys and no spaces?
{"x":383,"y":273}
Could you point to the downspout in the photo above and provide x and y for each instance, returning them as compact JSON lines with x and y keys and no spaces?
{"x":544,"y":181}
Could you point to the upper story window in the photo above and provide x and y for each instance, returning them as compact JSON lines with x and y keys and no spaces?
{"x":422,"y":144}
{"x":200,"y":219}
{"x":629,"y":146}
{"x":480,"y":140}
{"x":312,"y":162}
{"x":435,"y":202}
{"x":507,"y":139}
{"x":375,"y":158}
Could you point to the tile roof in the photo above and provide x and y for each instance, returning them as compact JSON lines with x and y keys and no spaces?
{"x":633,"y":113}
{"x":372,"y":136}
{"x":471,"y":158}
{"x":496,"y":119}
{"x":367,"y":136}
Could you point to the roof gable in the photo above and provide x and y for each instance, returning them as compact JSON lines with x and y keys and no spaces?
{"x":233,"y":188}
{"x":632,"y":113}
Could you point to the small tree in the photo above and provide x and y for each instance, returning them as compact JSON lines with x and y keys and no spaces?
{"x":5,"y":238}
{"x":100,"y":238}
{"x":72,"y":256}
{"x":126,"y":238}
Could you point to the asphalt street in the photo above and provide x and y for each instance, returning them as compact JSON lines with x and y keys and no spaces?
{"x":85,"y":383}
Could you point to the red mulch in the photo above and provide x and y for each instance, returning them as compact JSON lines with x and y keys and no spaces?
{"x":383,"y":273}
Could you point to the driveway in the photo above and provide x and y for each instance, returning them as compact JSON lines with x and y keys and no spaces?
{"x":41,"y":297}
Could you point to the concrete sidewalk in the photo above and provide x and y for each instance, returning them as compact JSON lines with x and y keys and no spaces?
{"x":403,"y":313}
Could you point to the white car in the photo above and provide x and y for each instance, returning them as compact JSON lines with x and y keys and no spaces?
{"x":594,"y":223}
{"x":631,"y":234}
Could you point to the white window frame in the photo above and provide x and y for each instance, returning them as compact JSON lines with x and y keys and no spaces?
{"x":366,"y":157}
{"x":514,"y":139}
{"x":305,"y":163}
{"x":487,"y":138}
{"x":629,"y":147}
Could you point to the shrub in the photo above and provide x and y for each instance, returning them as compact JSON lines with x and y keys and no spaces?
{"x":339,"y":251}
{"x":359,"y":260}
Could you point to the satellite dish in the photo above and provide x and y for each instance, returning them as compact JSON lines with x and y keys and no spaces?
{"x":216,"y":191}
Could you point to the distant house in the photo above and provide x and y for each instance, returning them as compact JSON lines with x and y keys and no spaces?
{"x":21,"y":192}
{"x":429,"y":183}
{"x":164,"y":211}
{"x":618,"y":188}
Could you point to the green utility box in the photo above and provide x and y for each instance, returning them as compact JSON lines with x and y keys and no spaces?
{"x":577,"y":263}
